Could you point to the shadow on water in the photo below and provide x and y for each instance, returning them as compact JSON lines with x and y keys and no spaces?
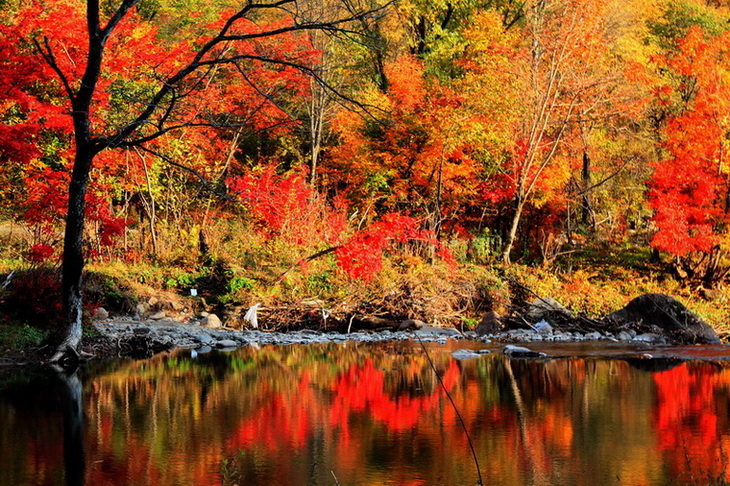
{"x":73,"y":429}
{"x":654,"y":365}
{"x":49,"y":404}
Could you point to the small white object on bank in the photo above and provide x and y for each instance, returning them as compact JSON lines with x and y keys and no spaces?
{"x":252,"y":317}
{"x":7,"y":280}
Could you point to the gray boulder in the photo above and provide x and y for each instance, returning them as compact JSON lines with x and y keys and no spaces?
{"x":489,"y":324}
{"x":542,"y":308}
{"x":624,"y":336}
{"x":650,"y":337}
{"x":211,"y":321}
{"x":667,"y":317}
{"x":438,"y":331}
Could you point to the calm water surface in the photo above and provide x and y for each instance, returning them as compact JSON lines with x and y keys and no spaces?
{"x":371,"y":414}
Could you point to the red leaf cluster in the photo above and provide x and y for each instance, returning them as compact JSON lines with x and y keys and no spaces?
{"x":287,"y":205}
{"x":362,"y":256}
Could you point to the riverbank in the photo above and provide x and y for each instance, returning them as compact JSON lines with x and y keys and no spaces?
{"x":304,"y":307}
{"x":130,"y":337}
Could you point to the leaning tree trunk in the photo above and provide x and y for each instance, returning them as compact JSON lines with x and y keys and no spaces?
{"x":73,"y":258}
{"x":512,"y":235}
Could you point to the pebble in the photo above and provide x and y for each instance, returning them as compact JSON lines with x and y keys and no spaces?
{"x":204,"y":338}
{"x":650,"y":338}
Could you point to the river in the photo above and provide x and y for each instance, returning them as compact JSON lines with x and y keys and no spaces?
{"x":373,"y":414}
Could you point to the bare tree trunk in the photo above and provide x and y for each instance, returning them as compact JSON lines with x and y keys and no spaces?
{"x":316,"y":127}
{"x":519,"y":206}
{"x":86,"y":149}
{"x":587,"y":214}
{"x":150,"y":207}
{"x":73,"y":259}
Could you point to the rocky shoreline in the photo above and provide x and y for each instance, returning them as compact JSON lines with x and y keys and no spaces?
{"x":650,"y":320}
{"x":170,"y":334}
{"x":131,"y":337}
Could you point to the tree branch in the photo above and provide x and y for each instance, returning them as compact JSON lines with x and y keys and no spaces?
{"x":603,"y":181}
{"x":205,"y":184}
{"x":116,"y":18}
{"x":223,"y":36}
{"x":47,"y":53}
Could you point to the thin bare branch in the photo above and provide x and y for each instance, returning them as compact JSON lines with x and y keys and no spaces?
{"x":47,"y":53}
{"x":205,"y":184}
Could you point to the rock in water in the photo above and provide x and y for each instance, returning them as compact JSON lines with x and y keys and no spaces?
{"x":520,"y":352}
{"x":462,"y":354}
{"x":666,"y":315}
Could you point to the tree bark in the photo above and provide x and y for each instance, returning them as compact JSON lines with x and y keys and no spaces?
{"x":519,"y":206}
{"x":587,"y":216}
{"x":73,"y":258}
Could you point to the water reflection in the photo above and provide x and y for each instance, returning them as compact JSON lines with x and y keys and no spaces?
{"x":73,"y":415}
{"x":373,"y":414}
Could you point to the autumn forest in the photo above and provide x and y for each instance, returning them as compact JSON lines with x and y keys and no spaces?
{"x":406,"y":159}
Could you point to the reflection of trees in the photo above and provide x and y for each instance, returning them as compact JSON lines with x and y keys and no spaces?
{"x":31,"y":430}
{"x":691,"y":420}
{"x":41,"y":429}
{"x":365,"y":411}
{"x":373,"y":415}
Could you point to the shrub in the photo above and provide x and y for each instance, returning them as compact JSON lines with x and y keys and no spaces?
{"x":34,"y":297}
